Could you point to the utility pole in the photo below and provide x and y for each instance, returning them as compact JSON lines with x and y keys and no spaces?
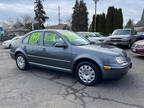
{"x":95,"y":14}
{"x":59,"y":14}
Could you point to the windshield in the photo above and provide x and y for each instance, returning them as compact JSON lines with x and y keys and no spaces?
{"x":122,"y":32}
{"x":74,"y":38}
{"x":98,"y":35}
{"x":87,"y":34}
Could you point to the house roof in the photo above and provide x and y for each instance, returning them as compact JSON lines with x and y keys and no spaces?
{"x":60,"y":26}
{"x":141,"y":22}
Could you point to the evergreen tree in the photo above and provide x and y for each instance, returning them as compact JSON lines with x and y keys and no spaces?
{"x":130,"y":24}
{"x":75,"y":17}
{"x":80,"y":17}
{"x":120,"y":16}
{"x":40,"y":14}
{"x":100,"y":26}
{"x":114,"y":19}
{"x":91,"y":29}
{"x":110,"y":20}
{"x":101,"y":23}
{"x":83,"y":17}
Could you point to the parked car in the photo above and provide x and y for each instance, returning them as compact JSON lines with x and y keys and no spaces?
{"x":124,"y":37}
{"x":140,"y":36}
{"x":66,"y":51}
{"x":7,"y":44}
{"x":93,"y":37}
{"x":138,"y":48}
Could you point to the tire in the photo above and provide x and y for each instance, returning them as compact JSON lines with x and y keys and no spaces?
{"x":89,"y":68}
{"x":21,"y":62}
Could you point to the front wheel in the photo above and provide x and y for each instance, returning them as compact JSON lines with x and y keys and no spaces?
{"x":87,"y":73}
{"x":21,"y":62}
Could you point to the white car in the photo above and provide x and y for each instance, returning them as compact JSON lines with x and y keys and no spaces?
{"x":7,"y":44}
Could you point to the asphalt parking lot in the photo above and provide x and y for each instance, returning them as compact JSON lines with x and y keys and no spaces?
{"x":42,"y":88}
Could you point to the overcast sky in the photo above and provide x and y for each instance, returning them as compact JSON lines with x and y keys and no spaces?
{"x":10,"y":9}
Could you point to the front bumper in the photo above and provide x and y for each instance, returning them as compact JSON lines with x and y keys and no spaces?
{"x":117,"y":72}
{"x":138,"y":51}
{"x":122,"y":43}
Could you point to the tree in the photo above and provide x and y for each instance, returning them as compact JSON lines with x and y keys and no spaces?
{"x":100,"y":23}
{"x":80,"y":17}
{"x":75,"y":17}
{"x":130,"y":24}
{"x":40,"y":14}
{"x":83,"y":17}
{"x":114,"y":19}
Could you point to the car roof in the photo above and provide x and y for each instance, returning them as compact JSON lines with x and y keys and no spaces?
{"x":50,"y":30}
{"x":123,"y":29}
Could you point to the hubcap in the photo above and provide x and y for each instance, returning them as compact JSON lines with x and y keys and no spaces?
{"x":20,"y":62}
{"x":86,"y":73}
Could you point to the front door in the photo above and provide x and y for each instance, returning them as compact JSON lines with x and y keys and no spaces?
{"x":55,"y":57}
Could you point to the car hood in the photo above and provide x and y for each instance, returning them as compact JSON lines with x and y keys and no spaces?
{"x":8,"y":41}
{"x":103,"y":48}
{"x":97,"y":38}
{"x":141,"y":42}
{"x":119,"y":36}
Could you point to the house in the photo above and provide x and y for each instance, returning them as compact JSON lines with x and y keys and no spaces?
{"x":59,"y":26}
{"x":139,"y":27}
{"x":18,"y":31}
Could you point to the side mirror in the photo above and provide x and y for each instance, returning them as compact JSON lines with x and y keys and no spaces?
{"x":61,"y":45}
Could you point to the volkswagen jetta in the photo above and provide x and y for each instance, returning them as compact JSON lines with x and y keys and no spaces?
{"x":69,"y":52}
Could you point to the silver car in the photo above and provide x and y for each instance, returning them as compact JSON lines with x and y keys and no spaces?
{"x":124,"y":37}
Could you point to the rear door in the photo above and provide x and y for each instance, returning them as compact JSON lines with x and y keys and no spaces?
{"x":33,"y":48}
{"x":55,"y":57}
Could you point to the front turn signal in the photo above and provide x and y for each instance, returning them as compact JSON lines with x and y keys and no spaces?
{"x":107,"y":67}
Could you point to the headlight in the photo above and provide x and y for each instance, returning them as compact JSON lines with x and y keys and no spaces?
{"x":120,"y":60}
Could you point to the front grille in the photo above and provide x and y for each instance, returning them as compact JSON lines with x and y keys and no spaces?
{"x":116,"y":39}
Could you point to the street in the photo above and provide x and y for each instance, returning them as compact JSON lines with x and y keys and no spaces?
{"x":42,"y":88}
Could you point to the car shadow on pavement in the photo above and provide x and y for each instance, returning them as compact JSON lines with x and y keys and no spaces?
{"x":54,"y":75}
{"x":139,"y":57}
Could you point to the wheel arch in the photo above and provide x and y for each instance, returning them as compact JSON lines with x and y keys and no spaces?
{"x":20,"y":52}
{"x":89,"y":60}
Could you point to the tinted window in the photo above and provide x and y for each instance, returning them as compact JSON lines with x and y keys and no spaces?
{"x":34,"y":38}
{"x":25,"y":40}
{"x":50,"y":39}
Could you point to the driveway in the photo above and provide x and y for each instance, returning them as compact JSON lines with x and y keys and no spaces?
{"x":42,"y":88}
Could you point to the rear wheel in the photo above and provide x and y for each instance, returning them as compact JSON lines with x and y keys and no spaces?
{"x":87,"y":73}
{"x":21,"y":62}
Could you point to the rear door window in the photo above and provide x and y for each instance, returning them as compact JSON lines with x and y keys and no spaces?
{"x":34,"y":39}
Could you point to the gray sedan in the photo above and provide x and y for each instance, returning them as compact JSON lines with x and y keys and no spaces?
{"x":66,"y":51}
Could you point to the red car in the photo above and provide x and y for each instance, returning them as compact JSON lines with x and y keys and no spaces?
{"x":138,"y":47}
